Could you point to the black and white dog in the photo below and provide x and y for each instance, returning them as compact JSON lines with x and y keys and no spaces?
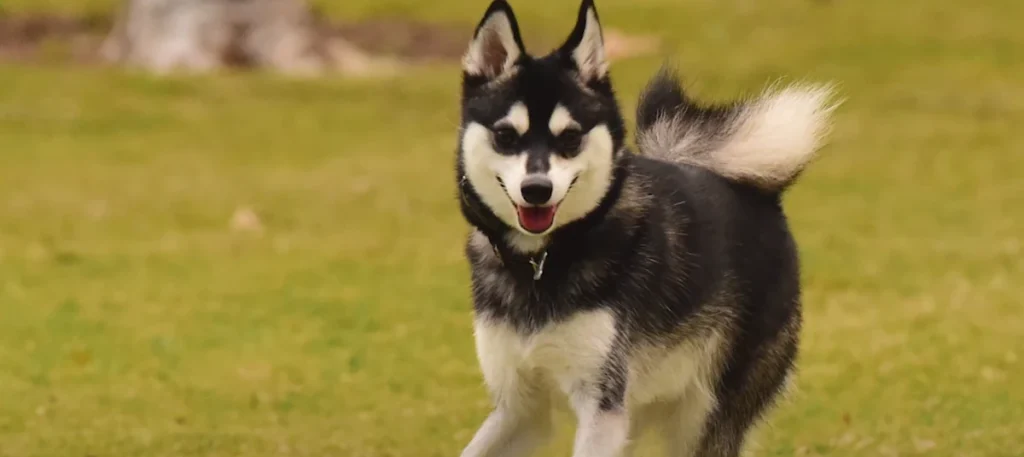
{"x":657,"y":290}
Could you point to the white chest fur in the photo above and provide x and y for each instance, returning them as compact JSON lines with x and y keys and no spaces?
{"x":572,"y":353}
{"x":560,"y":355}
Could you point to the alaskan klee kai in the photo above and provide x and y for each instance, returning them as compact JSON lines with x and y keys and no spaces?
{"x":656,"y":290}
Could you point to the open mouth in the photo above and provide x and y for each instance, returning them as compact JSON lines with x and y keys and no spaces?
{"x":536,"y":219}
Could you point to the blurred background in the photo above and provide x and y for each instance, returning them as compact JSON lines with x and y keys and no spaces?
{"x":231,"y":230}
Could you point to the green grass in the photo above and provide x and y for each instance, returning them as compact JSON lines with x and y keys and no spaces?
{"x":134,"y":321}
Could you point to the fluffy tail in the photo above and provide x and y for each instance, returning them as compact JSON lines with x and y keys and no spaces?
{"x":765,"y":142}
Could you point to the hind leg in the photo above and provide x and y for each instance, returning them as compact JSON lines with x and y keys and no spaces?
{"x":748,"y":389}
{"x":641,"y":420}
{"x":684,"y":421}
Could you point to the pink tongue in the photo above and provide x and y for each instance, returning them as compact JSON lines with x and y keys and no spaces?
{"x":536,"y":219}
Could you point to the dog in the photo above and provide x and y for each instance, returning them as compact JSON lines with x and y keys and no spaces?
{"x":656,"y":290}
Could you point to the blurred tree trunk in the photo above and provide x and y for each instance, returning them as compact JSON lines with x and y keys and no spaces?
{"x":205,"y":35}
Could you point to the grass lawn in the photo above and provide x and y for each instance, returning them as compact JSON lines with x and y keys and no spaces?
{"x":135,"y":321}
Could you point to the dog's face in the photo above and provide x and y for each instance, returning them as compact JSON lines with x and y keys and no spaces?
{"x":540,"y":136}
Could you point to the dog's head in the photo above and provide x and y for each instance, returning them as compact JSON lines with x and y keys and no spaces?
{"x":540,"y":135}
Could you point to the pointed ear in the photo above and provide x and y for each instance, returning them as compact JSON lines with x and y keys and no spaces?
{"x":496,"y":44}
{"x":585,"y":46}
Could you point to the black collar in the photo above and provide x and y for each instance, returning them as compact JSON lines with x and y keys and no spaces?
{"x":536,"y":261}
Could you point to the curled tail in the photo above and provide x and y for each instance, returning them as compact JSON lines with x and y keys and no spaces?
{"x":765,"y":142}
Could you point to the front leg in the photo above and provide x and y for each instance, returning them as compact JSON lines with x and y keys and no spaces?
{"x":521,"y":420}
{"x":511,"y":432}
{"x":603,"y":428}
{"x":602,"y":433}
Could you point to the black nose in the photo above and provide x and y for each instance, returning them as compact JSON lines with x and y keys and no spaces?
{"x":536,"y":189}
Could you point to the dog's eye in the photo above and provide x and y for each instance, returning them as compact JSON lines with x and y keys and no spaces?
{"x":505,"y":137}
{"x":569,"y":141}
